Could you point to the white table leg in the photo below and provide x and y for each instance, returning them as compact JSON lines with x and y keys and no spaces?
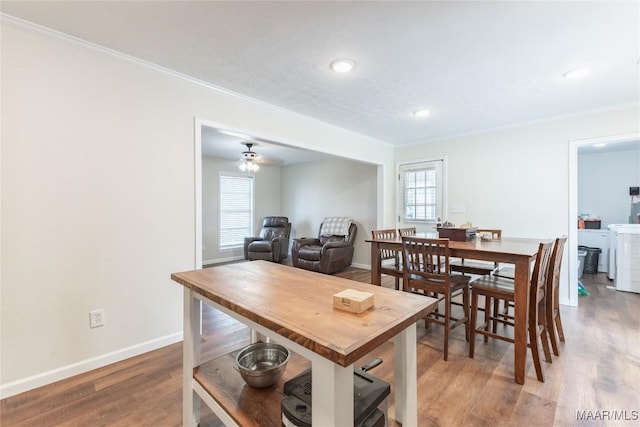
{"x":405,"y":377}
{"x":190,"y":358}
{"x":258,"y":337}
{"x":332,"y":393}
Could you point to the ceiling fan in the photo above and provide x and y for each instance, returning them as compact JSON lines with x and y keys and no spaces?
{"x":249,"y":159}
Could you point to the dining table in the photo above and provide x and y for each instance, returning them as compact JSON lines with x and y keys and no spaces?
{"x":518,"y":251}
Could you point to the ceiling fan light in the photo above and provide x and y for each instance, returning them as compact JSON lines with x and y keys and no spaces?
{"x":248,"y":166}
{"x":248,"y":160}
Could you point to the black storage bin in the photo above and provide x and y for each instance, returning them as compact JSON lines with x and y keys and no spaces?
{"x":592,"y":224}
{"x":591,"y":259}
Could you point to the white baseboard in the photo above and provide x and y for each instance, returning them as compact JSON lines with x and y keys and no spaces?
{"x":566,"y":301}
{"x":45,"y":378}
{"x":364,"y":266}
{"x":221,"y":260}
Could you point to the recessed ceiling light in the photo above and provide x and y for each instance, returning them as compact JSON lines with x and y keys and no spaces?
{"x":577,"y":73}
{"x":342,"y":65}
{"x":421,"y":113}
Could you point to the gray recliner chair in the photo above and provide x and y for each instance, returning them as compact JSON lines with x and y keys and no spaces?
{"x":326,"y":254}
{"x":273,"y":242}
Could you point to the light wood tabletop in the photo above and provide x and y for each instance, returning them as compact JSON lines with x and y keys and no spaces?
{"x":298,"y":305}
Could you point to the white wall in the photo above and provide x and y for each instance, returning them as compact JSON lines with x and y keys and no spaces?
{"x":335,"y":187}
{"x":517,"y":179}
{"x":267,"y":201}
{"x":98,"y":198}
{"x":603,"y":184}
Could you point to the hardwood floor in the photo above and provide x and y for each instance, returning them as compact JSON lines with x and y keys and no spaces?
{"x":598,"y":370}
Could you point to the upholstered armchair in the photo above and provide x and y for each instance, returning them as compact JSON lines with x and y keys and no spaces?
{"x":273,"y":242}
{"x":331,"y":252}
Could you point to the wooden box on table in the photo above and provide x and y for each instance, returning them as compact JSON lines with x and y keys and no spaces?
{"x":457,"y":234}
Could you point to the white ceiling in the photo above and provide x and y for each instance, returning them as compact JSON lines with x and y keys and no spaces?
{"x":218,"y":143}
{"x":476,"y":65}
{"x":630,"y":145}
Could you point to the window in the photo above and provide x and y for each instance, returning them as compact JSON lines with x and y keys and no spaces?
{"x":236,"y":209}
{"x":421,"y":186}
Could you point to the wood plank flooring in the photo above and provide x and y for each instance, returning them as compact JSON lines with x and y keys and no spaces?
{"x":598,"y":370}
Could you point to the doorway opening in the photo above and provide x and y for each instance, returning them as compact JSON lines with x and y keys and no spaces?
{"x":298,"y":166}
{"x":572,"y":297}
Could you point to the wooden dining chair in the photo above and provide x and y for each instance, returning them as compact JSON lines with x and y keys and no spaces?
{"x":477,"y":267}
{"x":553,"y":320}
{"x":426,"y":272}
{"x":408,"y":231}
{"x":394,"y":269}
{"x":494,"y":289}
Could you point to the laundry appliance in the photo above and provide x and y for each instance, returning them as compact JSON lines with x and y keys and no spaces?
{"x":613,"y":243}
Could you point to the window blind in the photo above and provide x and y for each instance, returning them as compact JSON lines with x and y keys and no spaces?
{"x":236,"y":210}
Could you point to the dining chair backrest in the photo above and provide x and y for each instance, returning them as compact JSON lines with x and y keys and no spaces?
{"x":427,"y":272}
{"x":426,"y":259}
{"x":389,"y":234}
{"x":540,"y":272}
{"x":553,"y":319}
{"x":409,"y":231}
{"x":553,"y":276}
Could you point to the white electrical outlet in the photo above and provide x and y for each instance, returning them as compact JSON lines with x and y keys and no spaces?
{"x":96,"y":318}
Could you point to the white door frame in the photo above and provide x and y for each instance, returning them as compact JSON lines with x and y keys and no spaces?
{"x":197,"y":165}
{"x":573,"y":205}
{"x":198,"y":124}
{"x":399,"y":190}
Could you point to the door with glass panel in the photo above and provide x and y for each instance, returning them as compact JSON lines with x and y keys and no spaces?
{"x":420,"y":194}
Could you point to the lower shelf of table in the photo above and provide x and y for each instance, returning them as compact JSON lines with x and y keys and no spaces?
{"x":247,"y":405}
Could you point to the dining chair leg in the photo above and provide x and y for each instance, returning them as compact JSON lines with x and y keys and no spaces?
{"x":558,"y":322}
{"x":496,"y":309}
{"x":551,"y":329}
{"x":473,"y":321}
{"x":533,"y":343}
{"x":559,"y":326}
{"x":487,"y":316}
{"x":447,"y":314}
{"x":554,"y":325}
{"x":544,"y":336}
{"x":465,"y":308}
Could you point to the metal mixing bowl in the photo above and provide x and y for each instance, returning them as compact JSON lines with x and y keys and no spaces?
{"x":262,"y":364}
